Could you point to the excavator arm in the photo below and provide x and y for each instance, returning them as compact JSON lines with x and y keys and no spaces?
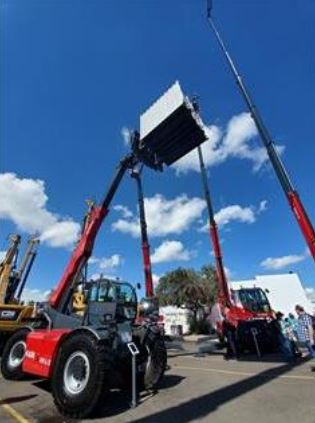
{"x":7,"y":265}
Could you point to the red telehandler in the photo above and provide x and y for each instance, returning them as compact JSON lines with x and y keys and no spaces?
{"x":249,"y":321}
{"x":289,"y":191}
{"x":81,"y":355}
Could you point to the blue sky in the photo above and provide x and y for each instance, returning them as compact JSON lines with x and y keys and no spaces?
{"x":75,"y":73}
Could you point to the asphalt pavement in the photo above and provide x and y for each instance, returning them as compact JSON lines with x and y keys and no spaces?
{"x":199,"y":386}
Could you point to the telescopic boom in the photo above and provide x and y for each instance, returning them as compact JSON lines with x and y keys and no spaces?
{"x":136,"y":174}
{"x":224,"y":292}
{"x":290,"y":192}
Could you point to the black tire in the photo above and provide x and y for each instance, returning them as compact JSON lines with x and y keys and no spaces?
{"x":156,"y":362}
{"x":97,"y":357}
{"x":14,"y":348}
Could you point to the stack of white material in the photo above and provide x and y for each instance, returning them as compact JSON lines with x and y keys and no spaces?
{"x":171,"y":127}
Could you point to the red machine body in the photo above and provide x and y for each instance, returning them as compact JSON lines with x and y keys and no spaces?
{"x":41,"y":350}
{"x":227,"y":310}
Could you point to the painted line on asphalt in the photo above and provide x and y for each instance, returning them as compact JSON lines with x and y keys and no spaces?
{"x":236,"y":373}
{"x":15,"y":414}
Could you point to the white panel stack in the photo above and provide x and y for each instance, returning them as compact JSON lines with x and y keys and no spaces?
{"x":170,"y":101}
{"x":171,"y":128}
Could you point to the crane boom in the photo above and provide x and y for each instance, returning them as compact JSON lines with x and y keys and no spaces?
{"x":224,"y":292}
{"x":60,"y":297}
{"x":290,"y":192}
{"x":144,"y":236}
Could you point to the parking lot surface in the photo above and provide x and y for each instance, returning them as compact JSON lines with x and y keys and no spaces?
{"x":196,"y":388}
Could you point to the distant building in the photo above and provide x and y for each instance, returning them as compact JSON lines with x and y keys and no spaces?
{"x":284,"y":291}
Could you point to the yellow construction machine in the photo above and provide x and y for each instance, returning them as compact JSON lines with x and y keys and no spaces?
{"x":13,"y":312}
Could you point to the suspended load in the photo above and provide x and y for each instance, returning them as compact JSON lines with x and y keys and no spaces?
{"x":171,"y":128}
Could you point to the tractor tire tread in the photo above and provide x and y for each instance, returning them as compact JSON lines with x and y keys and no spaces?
{"x":95,"y":390}
{"x":7,"y":373}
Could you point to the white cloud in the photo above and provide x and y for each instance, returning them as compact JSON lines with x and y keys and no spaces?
{"x":262,"y":206}
{"x":61,"y":233}
{"x":235,"y":141}
{"x":164,"y":216}
{"x":24,"y":201}
{"x":93,"y":260}
{"x":125,"y":133}
{"x":170,"y":251}
{"x":125,"y":212}
{"x":35,"y":295}
{"x":111,"y":262}
{"x":236,"y":213}
{"x":106,"y":263}
{"x":275,"y":263}
{"x":2,"y":255}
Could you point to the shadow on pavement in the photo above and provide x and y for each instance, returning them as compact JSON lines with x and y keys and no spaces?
{"x":198,"y":408}
{"x":119,"y":401}
{"x":214,"y":348}
{"x":13,"y":400}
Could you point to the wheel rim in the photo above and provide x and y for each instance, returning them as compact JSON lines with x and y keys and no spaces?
{"x":76,"y":373}
{"x":17,"y":354}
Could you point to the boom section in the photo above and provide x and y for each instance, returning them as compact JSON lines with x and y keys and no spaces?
{"x":224,"y":292}
{"x":296,"y":205}
{"x":84,"y":247}
{"x":144,"y":236}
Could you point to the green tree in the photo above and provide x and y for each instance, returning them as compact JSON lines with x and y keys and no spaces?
{"x":210,"y":281}
{"x":188,"y":289}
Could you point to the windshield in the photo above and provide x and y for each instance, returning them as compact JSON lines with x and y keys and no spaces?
{"x":106,"y":290}
{"x":254,"y":299}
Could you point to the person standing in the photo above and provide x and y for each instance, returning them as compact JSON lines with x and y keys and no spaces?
{"x":306,"y":331}
{"x":284,"y":343}
{"x":290,"y":333}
